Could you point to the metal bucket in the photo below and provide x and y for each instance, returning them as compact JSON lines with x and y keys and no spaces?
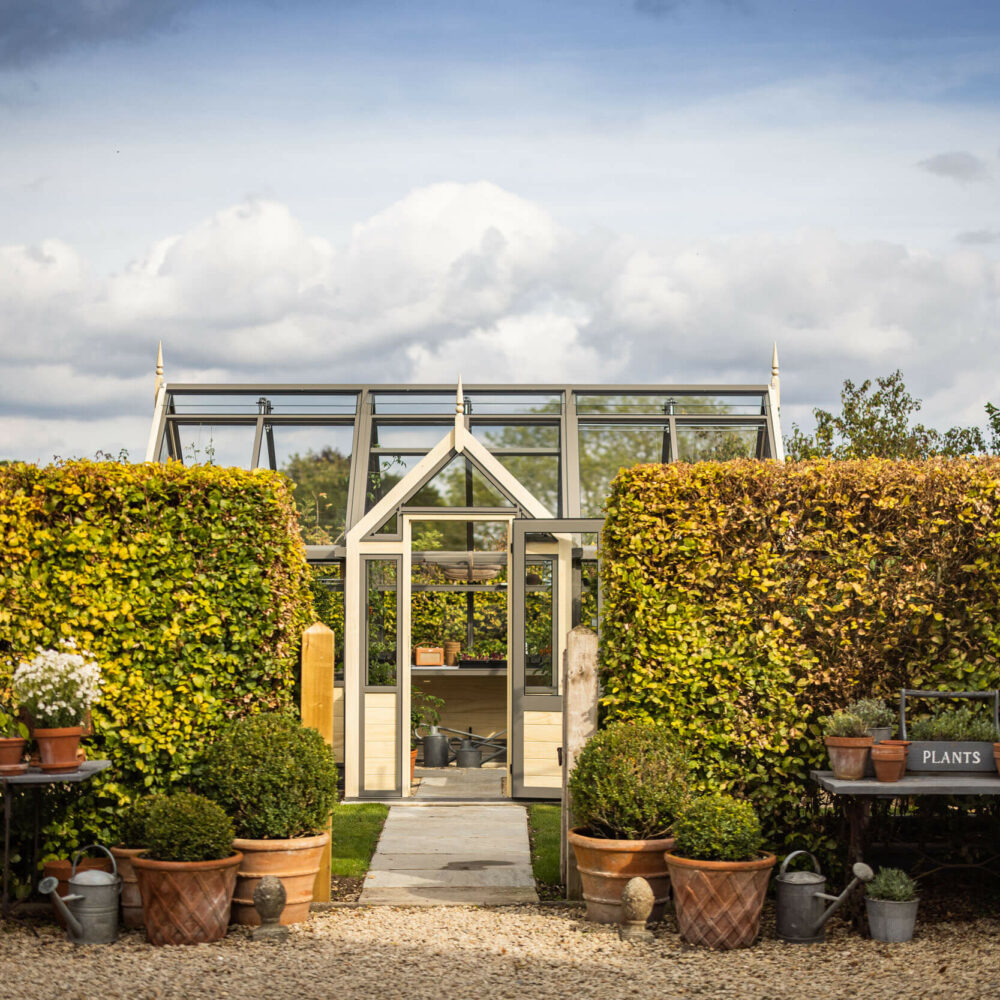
{"x":469,"y":755}
{"x":435,"y":750}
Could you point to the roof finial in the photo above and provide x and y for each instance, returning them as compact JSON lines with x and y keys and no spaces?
{"x":159,"y":371}
{"x":459,"y":398}
{"x":776,"y":376}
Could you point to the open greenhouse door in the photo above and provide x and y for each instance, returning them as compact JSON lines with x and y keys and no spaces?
{"x":553,"y":587}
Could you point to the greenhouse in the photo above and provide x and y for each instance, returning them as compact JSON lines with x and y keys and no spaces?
{"x":455,"y":533}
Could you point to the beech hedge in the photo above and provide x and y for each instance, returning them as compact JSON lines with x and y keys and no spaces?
{"x":744,"y":600}
{"x":190,"y":588}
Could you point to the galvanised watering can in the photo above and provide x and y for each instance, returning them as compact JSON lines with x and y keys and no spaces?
{"x":91,"y":908}
{"x":801,"y":915}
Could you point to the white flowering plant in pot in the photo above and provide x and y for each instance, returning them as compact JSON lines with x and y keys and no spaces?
{"x":57,"y":687}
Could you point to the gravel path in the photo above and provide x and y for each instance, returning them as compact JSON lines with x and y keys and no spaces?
{"x":466,"y":952}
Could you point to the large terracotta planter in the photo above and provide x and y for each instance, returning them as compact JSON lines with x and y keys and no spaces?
{"x":131,"y":897}
{"x":718,"y":903}
{"x":889,"y":761}
{"x":11,"y":752}
{"x":295,"y":862}
{"x":996,"y":756}
{"x":186,"y":902}
{"x":606,"y":865}
{"x":58,"y":748}
{"x":413,"y":763}
{"x":848,"y":756}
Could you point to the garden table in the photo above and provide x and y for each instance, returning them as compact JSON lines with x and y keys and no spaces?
{"x":34,"y":778}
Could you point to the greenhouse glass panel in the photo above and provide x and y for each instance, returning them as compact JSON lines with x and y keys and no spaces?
{"x":606,"y":448}
{"x":716,"y":444}
{"x":327,"y":585}
{"x":515,"y":437}
{"x":317,"y":459}
{"x":381,"y":612}
{"x":220,"y":444}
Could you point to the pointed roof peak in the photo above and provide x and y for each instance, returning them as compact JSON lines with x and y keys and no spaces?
{"x":459,"y":397}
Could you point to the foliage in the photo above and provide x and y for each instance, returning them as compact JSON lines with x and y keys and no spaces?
{"x":134,"y":822}
{"x":873,"y":712}
{"x":544,"y":820}
{"x":877,"y":424}
{"x":718,"y":828}
{"x":187,"y":585}
{"x":628,"y":782}
{"x":960,"y":724}
{"x":187,"y":827}
{"x":57,"y":687}
{"x":10,"y":723}
{"x":273,"y":776}
{"x":892,"y":884}
{"x":354,"y":833}
{"x":843,"y":724}
{"x":742,"y":601}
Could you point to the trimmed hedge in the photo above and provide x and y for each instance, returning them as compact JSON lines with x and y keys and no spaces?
{"x":188,"y":585}
{"x":743,"y":600}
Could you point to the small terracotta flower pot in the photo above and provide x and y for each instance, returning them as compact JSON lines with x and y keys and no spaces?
{"x":58,"y":748}
{"x":186,"y":902}
{"x":889,"y":761}
{"x":848,"y":756}
{"x":11,"y":752}
{"x":413,"y":763}
{"x":718,"y":903}
{"x":295,"y":861}
{"x":606,"y":865}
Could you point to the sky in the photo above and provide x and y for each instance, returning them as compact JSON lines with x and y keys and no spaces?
{"x":599,"y":191}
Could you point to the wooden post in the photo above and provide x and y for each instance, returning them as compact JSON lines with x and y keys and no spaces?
{"x":580,"y":692}
{"x":317,"y":713}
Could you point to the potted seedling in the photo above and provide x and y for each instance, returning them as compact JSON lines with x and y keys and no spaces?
{"x":188,"y":871}
{"x":953,"y":739}
{"x":425,"y":710}
{"x":876,"y":715}
{"x":277,"y":779}
{"x":891,"y":902}
{"x":718,"y":872}
{"x":847,"y":742}
{"x":627,"y":786}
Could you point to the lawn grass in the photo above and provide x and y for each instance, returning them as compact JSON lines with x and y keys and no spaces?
{"x":543,"y":821}
{"x":356,"y":827}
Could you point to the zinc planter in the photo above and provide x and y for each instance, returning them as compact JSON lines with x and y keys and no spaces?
{"x":891,"y":921}
{"x":295,"y":861}
{"x":848,"y":756}
{"x":131,"y":897}
{"x":718,"y":903}
{"x":606,"y":865}
{"x":58,"y":748}
{"x":186,"y":902}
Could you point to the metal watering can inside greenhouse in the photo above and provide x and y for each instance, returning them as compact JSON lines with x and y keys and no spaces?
{"x":801,"y":915}
{"x":91,"y":908}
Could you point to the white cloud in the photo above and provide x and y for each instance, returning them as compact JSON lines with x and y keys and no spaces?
{"x":472,"y":279}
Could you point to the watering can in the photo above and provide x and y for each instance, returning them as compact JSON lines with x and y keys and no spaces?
{"x":801,"y":911}
{"x":91,"y":908}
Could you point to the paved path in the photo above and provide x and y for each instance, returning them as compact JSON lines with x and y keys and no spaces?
{"x":452,"y":855}
{"x":460,"y":783}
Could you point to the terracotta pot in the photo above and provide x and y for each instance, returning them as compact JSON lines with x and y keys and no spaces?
{"x":718,"y":903}
{"x":848,"y":755}
{"x":451,"y":651}
{"x":186,"y":902}
{"x":413,"y":763}
{"x":58,"y":748}
{"x":295,"y":862}
{"x":11,"y":752}
{"x":131,"y":897}
{"x":889,"y":761}
{"x":61,"y":870}
{"x":606,"y":865}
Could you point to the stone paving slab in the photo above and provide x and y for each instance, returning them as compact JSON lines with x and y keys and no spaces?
{"x":452,"y":855}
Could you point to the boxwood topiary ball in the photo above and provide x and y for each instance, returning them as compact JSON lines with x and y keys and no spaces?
{"x":187,"y":827}
{"x":718,"y":828}
{"x":629,"y":782}
{"x":276,"y":778}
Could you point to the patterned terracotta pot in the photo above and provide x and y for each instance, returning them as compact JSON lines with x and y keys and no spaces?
{"x":295,"y":862}
{"x":606,"y":865}
{"x":186,"y":902}
{"x":131,"y":897}
{"x":718,"y":903}
{"x":848,"y":756}
{"x":996,"y":756}
{"x":11,"y":752}
{"x":58,"y":748}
